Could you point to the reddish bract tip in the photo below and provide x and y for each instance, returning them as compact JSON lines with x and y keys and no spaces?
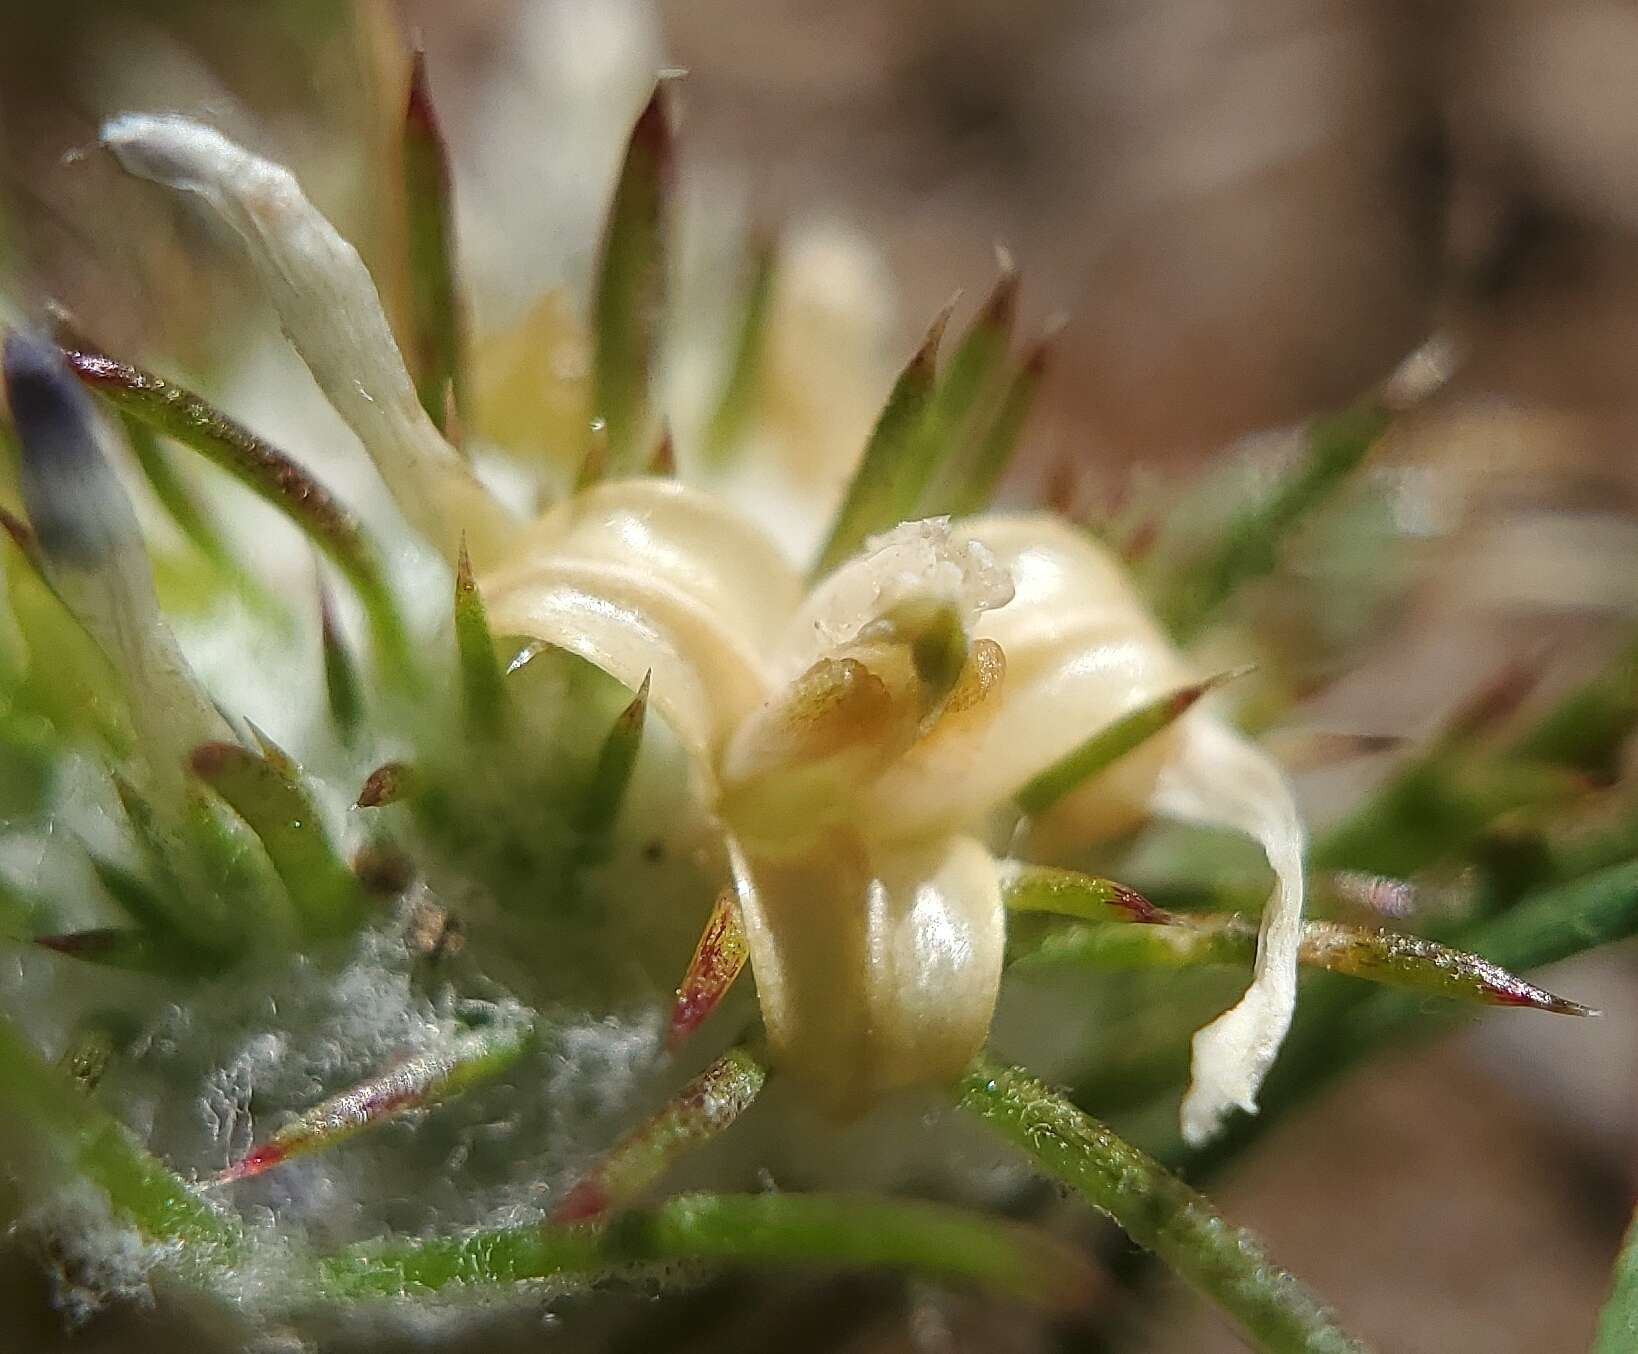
{"x":419,"y":113}
{"x":1132,"y":902}
{"x":717,"y":961}
{"x":1002,"y":306}
{"x":253,"y":1163}
{"x":19,"y":531}
{"x":209,"y":761}
{"x":79,"y":942}
{"x":1136,"y":547}
{"x":924,"y":364}
{"x":585,"y":1201}
{"x":651,"y":134}
{"x":665,"y":455}
{"x":464,"y":583}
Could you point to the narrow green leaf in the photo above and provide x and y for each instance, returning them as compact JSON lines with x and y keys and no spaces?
{"x":179,"y":901}
{"x":749,"y":1231}
{"x":142,"y":903}
{"x":599,"y":802}
{"x":483,"y":691}
{"x":413,"y":1083}
{"x":178,"y":498}
{"x":1338,"y":1026}
{"x":1157,"y":1210}
{"x":1587,"y":728}
{"x":94,"y":1147}
{"x":896,"y":459}
{"x":630,"y":297}
{"x":996,"y":444}
{"x":436,"y":332}
{"x":968,"y":396}
{"x":327,"y":897}
{"x":1112,"y":742}
{"x":261,"y":468}
{"x":1618,"y":1322}
{"x":737,"y":402}
{"x":1436,"y":806}
{"x":1164,"y":939}
{"x":706,"y":1107}
{"x":115,"y":947}
{"x":342,"y":688}
{"x":1250,"y":544}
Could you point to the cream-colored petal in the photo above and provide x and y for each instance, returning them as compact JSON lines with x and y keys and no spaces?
{"x":629,"y":622}
{"x":1218,"y":779}
{"x":331,"y":312}
{"x":876,"y":967}
{"x":692,"y":540}
{"x":1081,"y":651}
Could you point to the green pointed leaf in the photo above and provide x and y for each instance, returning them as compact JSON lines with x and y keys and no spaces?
{"x":191,"y":516}
{"x":413,"y":1083}
{"x":114,"y":947}
{"x":1437,"y":806}
{"x":94,"y":1147}
{"x":326,"y":895}
{"x":970,"y":395}
{"x":998,"y":442}
{"x":343,"y":689}
{"x":1249,"y":545}
{"x":1112,"y":742}
{"x":142,"y":903}
{"x":1164,"y":939}
{"x":186,"y":863}
{"x":702,"y":1110}
{"x":1157,"y":1210}
{"x":605,"y":791}
{"x":436,"y":330}
{"x":896,"y":459}
{"x":483,"y":692}
{"x":261,"y":468}
{"x":630,"y":295}
{"x":747,"y":1231}
{"x":737,"y":403}
{"x":1588,"y":727}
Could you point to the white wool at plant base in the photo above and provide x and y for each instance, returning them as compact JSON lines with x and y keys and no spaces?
{"x":824,"y":734}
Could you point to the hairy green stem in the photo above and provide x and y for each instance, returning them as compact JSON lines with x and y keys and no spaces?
{"x":1156,"y":1209}
{"x":758,"y":1230}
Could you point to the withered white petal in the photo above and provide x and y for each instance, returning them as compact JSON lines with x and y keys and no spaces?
{"x":1218,"y":779}
{"x":876,"y":966}
{"x":331,"y":312}
{"x":1081,"y":651}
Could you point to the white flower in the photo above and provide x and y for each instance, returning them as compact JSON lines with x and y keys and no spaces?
{"x":855,"y":740}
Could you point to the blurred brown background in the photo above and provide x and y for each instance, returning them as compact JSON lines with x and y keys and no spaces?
{"x":1249,"y":211}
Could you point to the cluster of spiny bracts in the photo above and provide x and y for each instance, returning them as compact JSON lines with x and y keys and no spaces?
{"x":235,"y":858}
